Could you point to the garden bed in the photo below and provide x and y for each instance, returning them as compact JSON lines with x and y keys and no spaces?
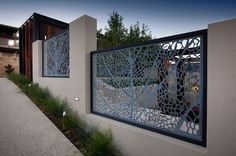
{"x":89,"y":140}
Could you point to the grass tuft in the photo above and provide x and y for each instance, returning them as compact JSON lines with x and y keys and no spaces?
{"x":38,"y":94}
{"x":101,"y":144}
{"x":18,"y":78}
{"x":54,"y":106}
{"x":71,"y":121}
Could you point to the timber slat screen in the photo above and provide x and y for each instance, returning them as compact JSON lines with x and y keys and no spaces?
{"x":37,"y":27}
{"x":159,"y":85}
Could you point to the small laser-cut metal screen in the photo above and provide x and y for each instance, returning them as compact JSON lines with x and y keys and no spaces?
{"x":157,"y":86}
{"x":56,"y":56}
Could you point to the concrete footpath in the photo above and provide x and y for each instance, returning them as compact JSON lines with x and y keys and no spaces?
{"x":25,"y":130}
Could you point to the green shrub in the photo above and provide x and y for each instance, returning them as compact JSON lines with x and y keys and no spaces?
{"x":54,"y":106}
{"x":9,"y":69}
{"x":38,"y":94}
{"x":71,"y":121}
{"x":18,"y":78}
{"x":101,"y":144}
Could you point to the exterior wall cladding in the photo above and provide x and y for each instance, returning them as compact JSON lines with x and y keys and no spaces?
{"x":134,"y":141}
{"x":37,"y":27}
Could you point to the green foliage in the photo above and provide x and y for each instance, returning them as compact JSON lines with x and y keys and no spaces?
{"x":71,"y":121}
{"x":9,"y":69}
{"x":83,"y":134}
{"x":54,"y":106}
{"x":116,"y":34}
{"x":38,"y":94}
{"x":138,"y":34}
{"x":101,"y":144}
{"x":18,"y":78}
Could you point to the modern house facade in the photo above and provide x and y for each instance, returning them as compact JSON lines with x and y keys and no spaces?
{"x":9,"y":48}
{"x":37,"y":27}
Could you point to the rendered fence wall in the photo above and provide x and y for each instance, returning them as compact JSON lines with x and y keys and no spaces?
{"x":221,"y":88}
{"x":134,"y":141}
{"x":82,"y":40}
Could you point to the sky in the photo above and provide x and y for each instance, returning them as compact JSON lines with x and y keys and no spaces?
{"x":163,"y":17}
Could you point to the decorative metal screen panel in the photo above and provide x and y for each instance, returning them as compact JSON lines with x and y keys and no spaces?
{"x":56,"y":56}
{"x":158,"y":86}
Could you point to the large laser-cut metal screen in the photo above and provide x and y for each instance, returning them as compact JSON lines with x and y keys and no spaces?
{"x":56,"y":56}
{"x":159,"y":86}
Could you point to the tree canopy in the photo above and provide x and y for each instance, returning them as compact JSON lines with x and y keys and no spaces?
{"x":116,"y":34}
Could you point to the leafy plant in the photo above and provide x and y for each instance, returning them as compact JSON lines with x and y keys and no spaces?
{"x":116,"y":34}
{"x":71,"y":121}
{"x":9,"y":69}
{"x":101,"y":144}
{"x":18,"y":78}
{"x":54,"y":106}
{"x":38,"y":93}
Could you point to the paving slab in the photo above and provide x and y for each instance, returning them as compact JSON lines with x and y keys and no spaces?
{"x":25,"y":130}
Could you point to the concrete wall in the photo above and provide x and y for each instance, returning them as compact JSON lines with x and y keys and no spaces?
{"x":135,"y":141}
{"x":83,"y":39}
{"x":221,"y":88}
{"x":8,"y":58}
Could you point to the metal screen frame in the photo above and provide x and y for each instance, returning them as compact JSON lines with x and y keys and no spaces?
{"x":43,"y":55}
{"x":203,"y":79}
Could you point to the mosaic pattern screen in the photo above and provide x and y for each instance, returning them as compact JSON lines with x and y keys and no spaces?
{"x":56,"y":56}
{"x":157,"y":86}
